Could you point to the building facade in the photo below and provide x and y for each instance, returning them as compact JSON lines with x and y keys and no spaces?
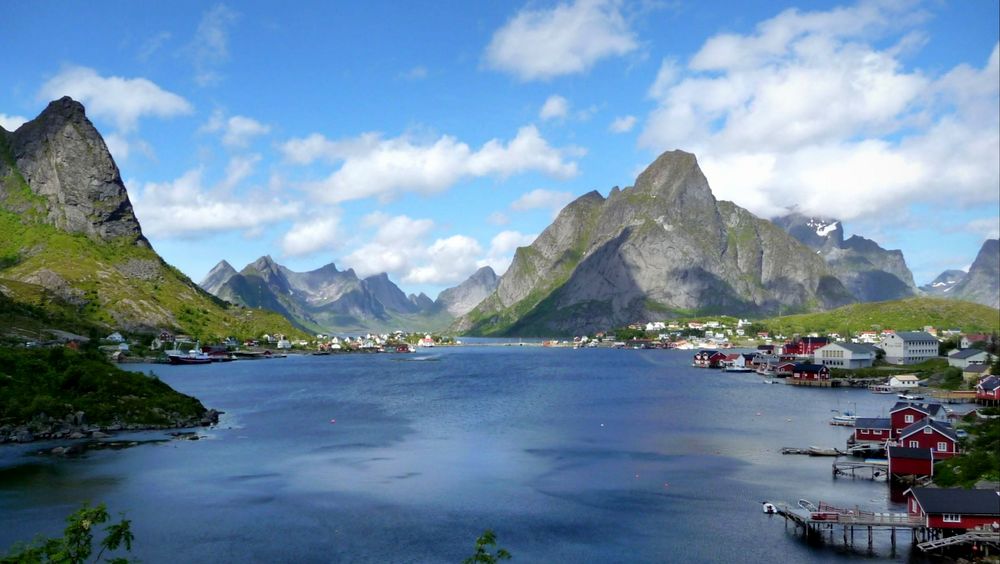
{"x":909,"y":347}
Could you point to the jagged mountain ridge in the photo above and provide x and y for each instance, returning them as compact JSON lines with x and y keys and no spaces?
{"x":463,"y":298}
{"x":870,"y":272}
{"x":70,"y":241}
{"x":944,"y":283}
{"x":982,"y":283}
{"x":665,"y":246}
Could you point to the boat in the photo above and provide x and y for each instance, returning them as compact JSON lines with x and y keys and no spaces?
{"x":911,"y":397}
{"x":193,"y":356}
{"x":821,"y":451}
{"x":769,"y":508}
{"x":881,"y":389}
{"x":847,"y":419}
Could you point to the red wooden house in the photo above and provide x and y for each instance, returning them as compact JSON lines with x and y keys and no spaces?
{"x":905,"y":461}
{"x":708,"y":359}
{"x":872,"y":430}
{"x":905,"y":413}
{"x":954,"y":508}
{"x":928,"y":433}
{"x":988,"y":390}
{"x":807,"y":371}
{"x":784,"y":369}
{"x":805,"y":346}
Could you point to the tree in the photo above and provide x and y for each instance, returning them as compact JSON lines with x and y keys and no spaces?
{"x":484,"y":544}
{"x":76,"y":544}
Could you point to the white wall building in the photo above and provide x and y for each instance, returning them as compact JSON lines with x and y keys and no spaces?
{"x":909,"y":347}
{"x":846,"y":355}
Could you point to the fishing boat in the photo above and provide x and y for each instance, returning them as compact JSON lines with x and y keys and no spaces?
{"x":845,"y":419}
{"x":881,"y":389}
{"x":193,"y":356}
{"x":910,"y":397}
{"x":821,"y":451}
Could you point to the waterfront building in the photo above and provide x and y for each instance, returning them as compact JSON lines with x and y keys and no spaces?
{"x":954,"y":508}
{"x":963,"y":358}
{"x":846,"y":355}
{"x":909,"y":347}
{"x":872,"y":430}
{"x":928,"y":433}
{"x":904,"y":414}
{"x":906,"y":461}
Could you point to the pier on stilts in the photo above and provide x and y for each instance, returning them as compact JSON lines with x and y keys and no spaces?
{"x":868,"y":470}
{"x":819,"y":521}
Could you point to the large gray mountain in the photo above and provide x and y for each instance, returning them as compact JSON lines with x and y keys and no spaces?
{"x":663,"y":247}
{"x":326,"y":299}
{"x":462,"y":298}
{"x":219,"y":275}
{"x":982,"y":284}
{"x":870,"y":272}
{"x":944,"y":283}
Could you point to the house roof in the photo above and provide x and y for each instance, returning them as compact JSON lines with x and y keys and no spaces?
{"x":990,"y":383}
{"x":943,"y":428}
{"x":968,"y":353}
{"x":914,"y":453}
{"x":872,"y":423}
{"x":957,"y":500}
{"x":906,"y":378}
{"x":916,"y":336}
{"x":931,"y":409}
{"x":856,"y":348}
{"x":807,"y":367}
{"x":976,"y":368}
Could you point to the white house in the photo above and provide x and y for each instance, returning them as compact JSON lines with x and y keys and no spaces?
{"x":846,"y":355}
{"x":909,"y":347}
{"x":904,"y":381}
{"x":115,"y":337}
{"x":963,"y":358}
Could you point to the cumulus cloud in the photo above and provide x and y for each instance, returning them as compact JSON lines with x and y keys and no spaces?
{"x":311,"y":235}
{"x":187,"y":207}
{"x":122,"y":101}
{"x":372,"y":166}
{"x":542,"y":199}
{"x":237,"y":131}
{"x":502,"y":247}
{"x":10,"y":123}
{"x":555,"y":106}
{"x":209,"y":48}
{"x":622,"y":124}
{"x":567,"y":39}
{"x":805,"y":109}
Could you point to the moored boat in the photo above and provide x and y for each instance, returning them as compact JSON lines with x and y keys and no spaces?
{"x":881,"y":389}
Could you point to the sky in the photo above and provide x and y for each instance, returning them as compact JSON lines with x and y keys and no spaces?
{"x":427,"y":139}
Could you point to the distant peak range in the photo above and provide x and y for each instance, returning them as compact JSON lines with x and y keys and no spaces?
{"x":870,"y":273}
{"x":328,"y":299}
{"x":981,"y":284}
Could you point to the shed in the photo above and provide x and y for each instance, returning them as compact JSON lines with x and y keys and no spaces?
{"x":905,"y":461}
{"x":954,"y":508}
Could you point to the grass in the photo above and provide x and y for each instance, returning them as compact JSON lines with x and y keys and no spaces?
{"x":910,"y":314}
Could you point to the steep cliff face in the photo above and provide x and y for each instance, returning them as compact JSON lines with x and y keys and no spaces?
{"x":662,"y":247}
{"x":467,"y":295}
{"x":982,"y":284}
{"x":62,"y":158}
{"x":219,"y":275}
{"x":870,"y":272}
{"x":69,"y":241}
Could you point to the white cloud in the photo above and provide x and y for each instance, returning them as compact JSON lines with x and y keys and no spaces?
{"x":622,"y":124}
{"x":238,"y":170}
{"x":10,"y":123}
{"x":555,"y":106}
{"x":447,"y":261}
{"x":542,"y":199}
{"x":502,"y":248}
{"x":986,"y":227}
{"x":237,"y":131}
{"x":372,"y":166}
{"x":186,"y":207}
{"x":122,"y":101}
{"x":152,"y":44}
{"x":210,"y":46}
{"x":311,"y":235}
{"x":805,"y":110}
{"x":567,"y":39}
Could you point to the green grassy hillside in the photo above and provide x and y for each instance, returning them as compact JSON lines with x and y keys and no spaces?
{"x":902,"y":315}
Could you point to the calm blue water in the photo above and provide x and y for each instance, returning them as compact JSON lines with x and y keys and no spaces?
{"x":569,"y":455}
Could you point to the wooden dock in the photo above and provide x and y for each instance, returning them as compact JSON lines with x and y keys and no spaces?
{"x":954,"y":396}
{"x":816,"y":522}
{"x":869,"y":469}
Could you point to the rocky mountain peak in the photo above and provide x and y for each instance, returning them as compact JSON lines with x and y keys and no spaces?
{"x":676,"y":176}
{"x":219,"y":275}
{"x":61,"y":157}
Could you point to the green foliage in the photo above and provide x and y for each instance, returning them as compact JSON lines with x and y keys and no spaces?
{"x":627,"y":334}
{"x":980,"y":459}
{"x":952,"y":378}
{"x":484,"y":550}
{"x":58,"y":382}
{"x":77,"y":543}
{"x":902,"y":315}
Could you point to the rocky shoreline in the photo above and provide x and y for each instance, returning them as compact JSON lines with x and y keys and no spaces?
{"x":75,"y":426}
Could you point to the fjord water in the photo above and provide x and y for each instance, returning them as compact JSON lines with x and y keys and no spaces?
{"x":590,"y":455}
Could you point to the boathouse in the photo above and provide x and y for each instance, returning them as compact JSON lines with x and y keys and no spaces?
{"x":988,"y":390}
{"x":954,"y":508}
{"x":808,"y":371}
{"x":928,"y":433}
{"x":709,"y":359}
{"x":872,"y":430}
{"x":906,"y":461}
{"x":904,"y":414}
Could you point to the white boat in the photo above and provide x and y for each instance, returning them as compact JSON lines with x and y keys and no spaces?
{"x":846,"y":419}
{"x":881,"y":389}
{"x":769,"y":508}
{"x":910,"y":397}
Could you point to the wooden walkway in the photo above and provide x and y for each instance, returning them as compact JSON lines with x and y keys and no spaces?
{"x":983,"y":537}
{"x":869,"y":469}
{"x":817,"y":521}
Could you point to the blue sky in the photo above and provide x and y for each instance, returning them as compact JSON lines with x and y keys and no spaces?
{"x":428,"y":139}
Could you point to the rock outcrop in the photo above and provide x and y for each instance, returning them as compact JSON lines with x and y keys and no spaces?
{"x":219,"y":275}
{"x":663,"y":247}
{"x":462,"y":298}
{"x":982,"y":284}
{"x":871,"y":273}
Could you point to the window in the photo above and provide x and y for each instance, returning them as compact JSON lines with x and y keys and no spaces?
{"x":908,"y":418}
{"x":942,"y":447}
{"x":864,"y":431}
{"x":928,"y":430}
{"x":951,"y":518}
{"x":914,"y":444}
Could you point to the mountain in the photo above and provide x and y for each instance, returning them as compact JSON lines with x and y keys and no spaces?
{"x":982,"y":284}
{"x":944,"y":283}
{"x":72,"y":246}
{"x":910,"y":314}
{"x":663,"y":247}
{"x":328,"y":299}
{"x":870,"y":272}
{"x":218,"y":276}
{"x":462,"y":298}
